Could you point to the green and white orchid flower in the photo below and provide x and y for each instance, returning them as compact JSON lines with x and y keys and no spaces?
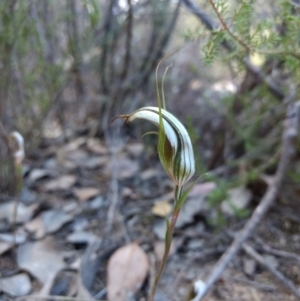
{"x":175,"y":150}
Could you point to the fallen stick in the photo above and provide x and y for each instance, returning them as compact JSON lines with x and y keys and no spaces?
{"x":288,"y":150}
{"x":261,"y":260}
{"x":270,"y":250}
{"x":257,"y":285}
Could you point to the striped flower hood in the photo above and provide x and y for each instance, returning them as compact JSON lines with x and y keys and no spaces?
{"x":176,"y":152}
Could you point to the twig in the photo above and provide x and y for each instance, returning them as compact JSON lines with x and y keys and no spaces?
{"x":275,"y":252}
{"x":127,"y":57}
{"x":41,"y":32}
{"x":260,"y":259}
{"x":257,"y":285}
{"x":114,"y":189}
{"x":107,"y":28}
{"x":227,"y":28}
{"x":58,"y":298}
{"x":288,"y":150}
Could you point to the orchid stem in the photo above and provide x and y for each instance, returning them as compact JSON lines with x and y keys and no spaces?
{"x":168,"y":242}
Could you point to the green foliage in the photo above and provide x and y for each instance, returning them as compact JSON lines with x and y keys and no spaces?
{"x":271,"y":32}
{"x":218,"y":195}
{"x":241,"y":19}
{"x":212,"y":48}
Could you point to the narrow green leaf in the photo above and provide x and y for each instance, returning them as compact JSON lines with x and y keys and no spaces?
{"x":184,"y":195}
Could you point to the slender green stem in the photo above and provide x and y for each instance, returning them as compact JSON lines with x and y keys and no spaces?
{"x":168,"y":242}
{"x":162,"y":88}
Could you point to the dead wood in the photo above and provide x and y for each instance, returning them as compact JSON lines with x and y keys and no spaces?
{"x":266,"y":248}
{"x":282,"y":279}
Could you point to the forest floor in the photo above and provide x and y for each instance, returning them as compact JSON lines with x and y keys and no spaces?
{"x":84,"y":199}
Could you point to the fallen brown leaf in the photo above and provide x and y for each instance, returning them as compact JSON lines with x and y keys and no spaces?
{"x":84,"y":194}
{"x":5,"y":246}
{"x":162,"y":209}
{"x":126,"y":271}
{"x":135,"y":149}
{"x":94,"y":145}
{"x":62,"y":183}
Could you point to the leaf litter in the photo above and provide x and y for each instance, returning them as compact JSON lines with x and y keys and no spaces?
{"x":41,"y":259}
{"x":68,"y":217}
{"x":16,"y":286}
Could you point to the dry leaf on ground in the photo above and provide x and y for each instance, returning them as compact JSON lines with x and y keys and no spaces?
{"x":149,"y":173}
{"x":135,"y":149}
{"x":162,"y":209}
{"x":16,"y":286}
{"x":5,"y":246}
{"x":75,"y":144}
{"x":93,"y":162}
{"x":189,"y":209}
{"x":24,"y":213}
{"x":48,"y":222}
{"x":38,"y":173}
{"x":40,"y":259}
{"x":18,"y":237}
{"x":62,"y":183}
{"x":94,"y":145}
{"x":86,"y":193}
{"x":82,"y":237}
{"x":126,"y":168}
{"x":126,"y":271}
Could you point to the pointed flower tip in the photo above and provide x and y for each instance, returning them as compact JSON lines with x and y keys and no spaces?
{"x":174,"y":148}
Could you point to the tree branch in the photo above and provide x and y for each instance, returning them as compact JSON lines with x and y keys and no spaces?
{"x":227,"y":28}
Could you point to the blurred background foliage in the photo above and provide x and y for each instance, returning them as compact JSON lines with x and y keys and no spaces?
{"x":75,"y":64}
